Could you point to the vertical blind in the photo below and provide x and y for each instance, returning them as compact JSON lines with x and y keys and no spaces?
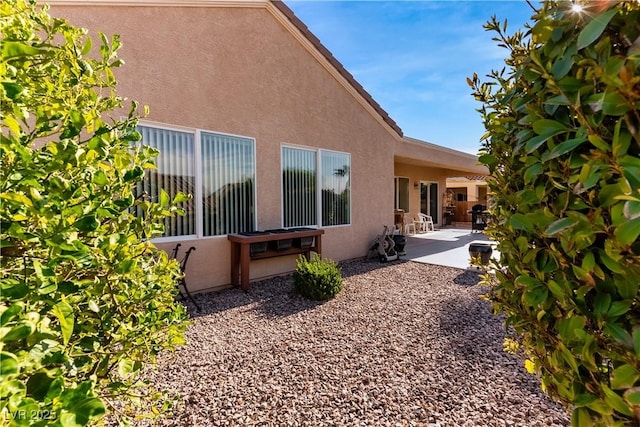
{"x":175,"y":173}
{"x":336,"y":182}
{"x":228,"y":171}
{"x":299,"y":196}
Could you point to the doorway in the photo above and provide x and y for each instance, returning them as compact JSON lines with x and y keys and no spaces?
{"x":429,"y":204}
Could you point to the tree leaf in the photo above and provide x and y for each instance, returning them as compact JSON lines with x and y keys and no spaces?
{"x":560,"y":225}
{"x":88,"y":410}
{"x":12,"y":89}
{"x":521,"y":222}
{"x":562,"y":66}
{"x":8,"y":364}
{"x":547,"y":126}
{"x":64,"y":313}
{"x":93,"y":306}
{"x":601,"y":304}
{"x":87,"y":46}
{"x":12,"y":49}
{"x":594,"y":29}
{"x":627,"y":286}
{"x":631,"y":209}
{"x":600,"y":406}
{"x":533,"y":172}
{"x":558,"y":100}
{"x":10,"y":313}
{"x":628,"y":232}
{"x":564,"y":147}
{"x":17,"y":197}
{"x":581,"y":418}
{"x":618,"y":308}
{"x":87,"y":223}
{"x":125,"y":367}
{"x":623,"y":377}
{"x":614,"y":104}
{"x":619,"y":334}
{"x":38,"y":385}
{"x":633,"y":396}
{"x":164,"y":198}
{"x":616,"y":401}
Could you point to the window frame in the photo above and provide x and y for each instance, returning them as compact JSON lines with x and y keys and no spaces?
{"x":318,"y":195}
{"x":197,"y":164}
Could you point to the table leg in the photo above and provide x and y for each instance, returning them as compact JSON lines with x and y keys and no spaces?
{"x":244,"y":266}
{"x":235,"y":264}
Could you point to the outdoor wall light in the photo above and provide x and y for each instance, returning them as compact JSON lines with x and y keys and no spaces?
{"x":415,"y":184}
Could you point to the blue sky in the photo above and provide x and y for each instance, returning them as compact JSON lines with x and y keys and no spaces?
{"x":413,"y":57}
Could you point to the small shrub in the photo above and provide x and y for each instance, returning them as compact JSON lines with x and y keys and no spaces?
{"x":317,"y":279}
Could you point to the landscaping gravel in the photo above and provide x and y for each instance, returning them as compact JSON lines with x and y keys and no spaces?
{"x":404,"y":344}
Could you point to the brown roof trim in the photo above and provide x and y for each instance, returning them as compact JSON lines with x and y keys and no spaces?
{"x":279,"y":4}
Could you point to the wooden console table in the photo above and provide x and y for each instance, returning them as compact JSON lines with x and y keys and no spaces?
{"x":241,"y":253}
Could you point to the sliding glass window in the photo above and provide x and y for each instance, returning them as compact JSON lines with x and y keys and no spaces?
{"x":299,"y":195}
{"x":218,"y":170}
{"x":227,"y":182}
{"x":175,"y":174}
{"x":316,"y":187}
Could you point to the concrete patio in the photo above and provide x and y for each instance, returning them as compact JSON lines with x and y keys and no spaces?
{"x":448,"y":247}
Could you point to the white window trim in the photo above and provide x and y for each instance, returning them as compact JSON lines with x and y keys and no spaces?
{"x":318,"y":152}
{"x":197,"y":197}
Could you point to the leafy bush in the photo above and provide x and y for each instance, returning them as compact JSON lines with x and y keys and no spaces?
{"x":85,"y":300}
{"x":563,"y":149}
{"x":317,"y":279}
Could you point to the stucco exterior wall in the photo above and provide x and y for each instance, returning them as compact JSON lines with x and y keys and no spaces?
{"x":238,"y":70}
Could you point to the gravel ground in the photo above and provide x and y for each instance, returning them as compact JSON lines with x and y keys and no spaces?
{"x":404,"y":344}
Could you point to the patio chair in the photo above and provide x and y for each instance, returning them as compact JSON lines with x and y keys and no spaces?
{"x":183,"y":290}
{"x":409,"y":224}
{"x":424,"y":223}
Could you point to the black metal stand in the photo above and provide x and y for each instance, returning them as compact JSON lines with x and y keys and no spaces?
{"x":183,"y":290}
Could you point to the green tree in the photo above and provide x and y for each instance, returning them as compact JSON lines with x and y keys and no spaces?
{"x":563,"y":149}
{"x":86,"y":300}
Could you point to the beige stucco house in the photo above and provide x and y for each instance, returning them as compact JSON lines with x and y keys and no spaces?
{"x":266,"y":129}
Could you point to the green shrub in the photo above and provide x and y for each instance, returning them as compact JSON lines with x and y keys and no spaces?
{"x":86,"y":301}
{"x":563,"y":149}
{"x":317,"y":279}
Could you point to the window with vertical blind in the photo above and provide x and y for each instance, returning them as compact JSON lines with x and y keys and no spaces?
{"x":316,"y":187}
{"x":299,"y":183}
{"x":227,"y":182}
{"x":175,"y":174}
{"x":218,"y":170}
